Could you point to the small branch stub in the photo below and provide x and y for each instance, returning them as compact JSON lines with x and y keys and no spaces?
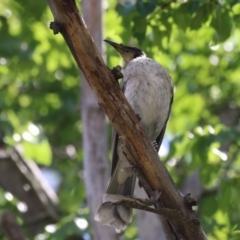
{"x":56,"y":27}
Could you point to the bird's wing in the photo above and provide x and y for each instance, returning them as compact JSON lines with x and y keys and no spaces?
{"x":160,"y":136}
{"x":114,"y":153}
{"x":115,"y":138}
{"x":114,"y":186}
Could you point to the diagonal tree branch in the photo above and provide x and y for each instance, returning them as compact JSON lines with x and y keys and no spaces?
{"x":118,"y":110}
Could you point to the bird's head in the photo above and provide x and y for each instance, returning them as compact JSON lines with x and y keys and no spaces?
{"x":128,"y":53}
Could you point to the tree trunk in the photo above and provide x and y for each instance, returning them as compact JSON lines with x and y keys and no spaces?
{"x":96,"y":165}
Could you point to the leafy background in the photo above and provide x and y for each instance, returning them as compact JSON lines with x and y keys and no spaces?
{"x":197,"y":41}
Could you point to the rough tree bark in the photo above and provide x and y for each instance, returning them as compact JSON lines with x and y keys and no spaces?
{"x":70,"y":24}
{"x":96,"y":165}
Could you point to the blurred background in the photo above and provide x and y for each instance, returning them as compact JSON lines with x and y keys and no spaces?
{"x":55,"y":139}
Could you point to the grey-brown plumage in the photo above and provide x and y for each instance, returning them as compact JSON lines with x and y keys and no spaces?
{"x":149,"y":90}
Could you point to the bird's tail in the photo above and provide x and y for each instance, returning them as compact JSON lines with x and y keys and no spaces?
{"x":117,"y":216}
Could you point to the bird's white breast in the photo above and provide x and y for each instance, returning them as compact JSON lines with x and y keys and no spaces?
{"x":148,"y":88}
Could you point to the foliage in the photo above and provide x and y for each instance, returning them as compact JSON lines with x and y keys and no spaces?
{"x":196,"y":40}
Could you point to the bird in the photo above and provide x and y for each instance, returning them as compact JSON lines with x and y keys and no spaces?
{"x":148,"y":88}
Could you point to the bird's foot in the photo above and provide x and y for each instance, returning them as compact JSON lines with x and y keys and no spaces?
{"x":154,"y":146}
{"x":138,"y":117}
{"x":116,"y":72}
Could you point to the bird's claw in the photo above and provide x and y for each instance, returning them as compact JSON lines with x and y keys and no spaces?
{"x":138,"y":117}
{"x":116,"y":72}
{"x":154,"y":145}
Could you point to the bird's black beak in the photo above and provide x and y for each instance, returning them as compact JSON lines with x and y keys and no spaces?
{"x":117,"y":46}
{"x":128,"y":53}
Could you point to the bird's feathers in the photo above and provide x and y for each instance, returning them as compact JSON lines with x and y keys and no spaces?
{"x":149,"y":90}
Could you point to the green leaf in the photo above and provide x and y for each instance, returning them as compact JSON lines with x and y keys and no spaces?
{"x":125,"y":8}
{"x":165,"y":23}
{"x":222,"y":23}
{"x":235,"y":227}
{"x":225,"y":195}
{"x":209,"y":174}
{"x":182,"y":15}
{"x":201,"y":16}
{"x":39,"y":152}
{"x":233,"y":2}
{"x":208,"y":205}
{"x":145,"y":7}
{"x":139,"y":28}
{"x":236,"y":19}
{"x":6,"y":127}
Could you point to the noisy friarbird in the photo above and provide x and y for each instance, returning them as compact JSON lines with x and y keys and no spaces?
{"x":149,"y":90}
